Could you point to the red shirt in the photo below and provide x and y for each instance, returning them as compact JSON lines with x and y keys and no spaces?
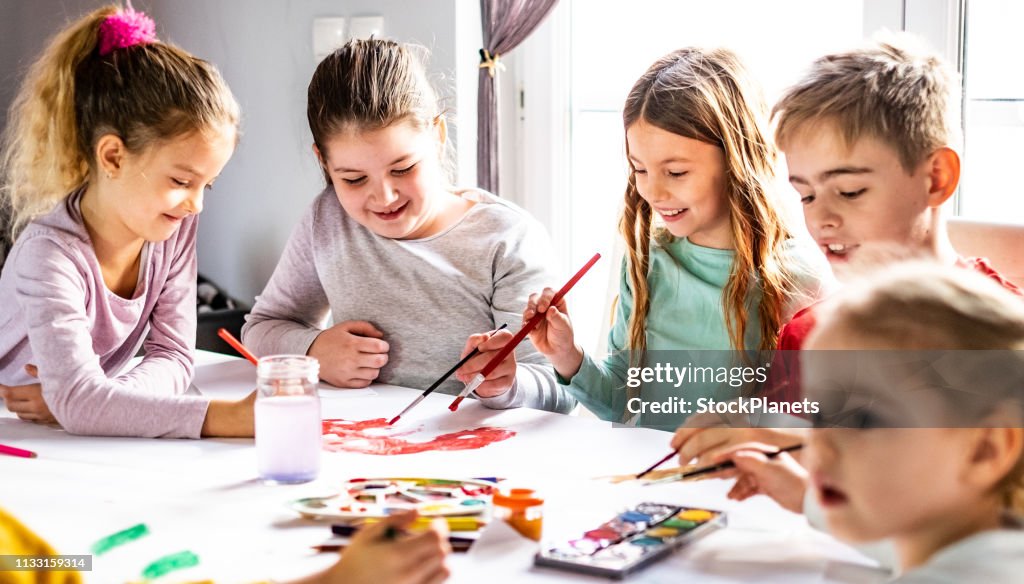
{"x":783,"y":382}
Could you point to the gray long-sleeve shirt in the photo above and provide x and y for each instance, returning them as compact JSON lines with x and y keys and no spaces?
{"x":426,"y":295}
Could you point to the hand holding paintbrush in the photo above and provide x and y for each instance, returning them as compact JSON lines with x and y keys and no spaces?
{"x":529,"y":325}
{"x":760,"y":469}
{"x":440,"y":380}
{"x":484,"y":347}
{"x":553,"y":335}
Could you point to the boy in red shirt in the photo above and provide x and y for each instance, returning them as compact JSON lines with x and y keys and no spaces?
{"x":869,"y":138}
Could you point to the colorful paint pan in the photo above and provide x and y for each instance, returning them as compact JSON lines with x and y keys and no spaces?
{"x":698,"y":515}
{"x":365,"y":498}
{"x":662,"y":531}
{"x":631,"y":540}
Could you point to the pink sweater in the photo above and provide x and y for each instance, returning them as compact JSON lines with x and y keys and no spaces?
{"x":57,"y":313}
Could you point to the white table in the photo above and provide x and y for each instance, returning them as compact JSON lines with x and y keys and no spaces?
{"x":203,"y":496}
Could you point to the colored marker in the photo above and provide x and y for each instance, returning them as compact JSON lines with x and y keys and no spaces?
{"x":442,"y":379}
{"x":529,"y":326}
{"x":17,"y":451}
{"x":236,"y":345}
{"x":715,"y":468}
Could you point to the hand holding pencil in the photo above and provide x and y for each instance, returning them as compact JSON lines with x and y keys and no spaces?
{"x":386,"y":552}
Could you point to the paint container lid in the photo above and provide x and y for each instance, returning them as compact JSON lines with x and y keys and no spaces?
{"x":517,"y":499}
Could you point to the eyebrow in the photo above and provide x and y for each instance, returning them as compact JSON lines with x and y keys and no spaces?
{"x":188,"y":168}
{"x":392,"y":163}
{"x":829,"y":174}
{"x":666,"y":161}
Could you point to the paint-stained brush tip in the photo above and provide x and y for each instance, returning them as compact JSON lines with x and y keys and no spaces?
{"x":455,"y":404}
{"x":393,"y":420}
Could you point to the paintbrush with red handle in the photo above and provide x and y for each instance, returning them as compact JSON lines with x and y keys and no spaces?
{"x":479,"y":378}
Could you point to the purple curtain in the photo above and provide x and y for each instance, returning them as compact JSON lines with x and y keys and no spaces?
{"x":506,"y":23}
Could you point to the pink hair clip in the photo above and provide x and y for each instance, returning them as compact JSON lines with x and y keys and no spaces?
{"x":126,"y":29}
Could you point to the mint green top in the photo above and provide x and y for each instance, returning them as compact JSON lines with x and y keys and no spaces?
{"x":686,"y":283}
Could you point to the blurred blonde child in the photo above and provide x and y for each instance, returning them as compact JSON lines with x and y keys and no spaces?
{"x":921,"y":436}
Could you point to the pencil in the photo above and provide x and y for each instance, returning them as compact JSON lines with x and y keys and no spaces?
{"x":17,"y":452}
{"x":529,"y":326}
{"x":236,"y":345}
{"x":441,"y":380}
{"x":458,"y":545}
{"x":716,"y":467}
{"x":458,"y":523}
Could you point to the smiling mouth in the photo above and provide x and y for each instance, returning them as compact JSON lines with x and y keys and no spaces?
{"x":393,"y":214}
{"x":671,"y":214}
{"x":838,"y":250}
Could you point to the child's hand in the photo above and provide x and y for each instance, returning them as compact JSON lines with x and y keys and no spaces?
{"x":553,"y":335}
{"x":372,"y":558}
{"x":230,"y":419}
{"x":706,"y":436}
{"x":351,"y":353}
{"x":504,"y":375}
{"x":27,"y":400}
{"x":781,"y":477}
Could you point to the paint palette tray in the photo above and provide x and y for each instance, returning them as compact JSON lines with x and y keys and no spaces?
{"x":632,"y":540}
{"x":379,"y":497}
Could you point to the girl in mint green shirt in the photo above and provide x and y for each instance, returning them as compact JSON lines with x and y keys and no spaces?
{"x":710,"y":264}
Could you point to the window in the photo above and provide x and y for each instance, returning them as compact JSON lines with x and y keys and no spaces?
{"x":993,"y":112}
{"x":576,"y":70}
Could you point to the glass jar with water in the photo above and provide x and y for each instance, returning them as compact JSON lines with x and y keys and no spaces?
{"x":288,"y":426}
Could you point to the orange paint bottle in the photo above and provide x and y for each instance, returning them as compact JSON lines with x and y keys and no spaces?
{"x":522,"y":510}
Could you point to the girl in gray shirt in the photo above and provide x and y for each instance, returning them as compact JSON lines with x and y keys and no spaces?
{"x":392,"y":276}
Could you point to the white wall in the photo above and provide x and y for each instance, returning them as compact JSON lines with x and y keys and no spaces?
{"x":25,"y":27}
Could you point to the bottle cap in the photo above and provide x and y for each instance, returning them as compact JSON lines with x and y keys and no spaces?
{"x":517,"y":499}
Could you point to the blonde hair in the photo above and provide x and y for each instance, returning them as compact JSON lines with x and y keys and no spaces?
{"x":892,"y":90}
{"x":921,"y":305}
{"x":707,"y":95}
{"x":369,"y":84}
{"x":72,"y":96}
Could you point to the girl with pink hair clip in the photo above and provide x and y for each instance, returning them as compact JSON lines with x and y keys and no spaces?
{"x":114,"y":138}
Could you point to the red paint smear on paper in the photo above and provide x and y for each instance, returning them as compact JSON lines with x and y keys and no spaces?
{"x":352,"y":436}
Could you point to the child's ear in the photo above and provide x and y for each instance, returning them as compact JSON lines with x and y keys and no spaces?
{"x":995,"y":452}
{"x":441,"y":126}
{"x":110,"y":153}
{"x":943,"y":174}
{"x":319,"y":157}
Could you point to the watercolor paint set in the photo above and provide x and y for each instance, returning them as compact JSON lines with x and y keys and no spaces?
{"x":632,"y":540}
{"x":366,"y":498}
